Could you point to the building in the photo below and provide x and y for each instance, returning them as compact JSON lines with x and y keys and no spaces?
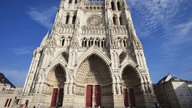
{"x":5,"y":85}
{"x":91,"y":58}
{"x":189,"y":84}
{"x":173,"y":92}
{"x":8,"y":92}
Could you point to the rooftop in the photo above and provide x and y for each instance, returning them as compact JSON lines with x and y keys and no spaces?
{"x":4,"y":80}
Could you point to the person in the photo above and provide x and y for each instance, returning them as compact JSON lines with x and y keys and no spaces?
{"x":34,"y":106}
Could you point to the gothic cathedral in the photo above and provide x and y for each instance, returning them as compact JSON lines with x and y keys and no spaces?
{"x":91,"y":58}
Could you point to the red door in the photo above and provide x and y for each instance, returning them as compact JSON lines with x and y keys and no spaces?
{"x":132,"y":97}
{"x":89,"y":93}
{"x":126,"y":99}
{"x":97,"y":95}
{"x":54,"y":97}
{"x":60,"y":103}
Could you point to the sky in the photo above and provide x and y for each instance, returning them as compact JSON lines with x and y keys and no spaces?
{"x":163,"y":26}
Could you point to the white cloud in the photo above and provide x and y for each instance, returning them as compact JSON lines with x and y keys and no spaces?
{"x":44,"y":17}
{"x":151,"y":14}
{"x":177,"y":36}
{"x":22,"y":51}
{"x":164,"y":16}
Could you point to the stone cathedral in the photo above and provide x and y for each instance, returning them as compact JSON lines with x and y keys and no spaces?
{"x":91,"y":58}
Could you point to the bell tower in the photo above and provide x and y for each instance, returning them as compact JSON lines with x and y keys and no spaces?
{"x":91,"y":58}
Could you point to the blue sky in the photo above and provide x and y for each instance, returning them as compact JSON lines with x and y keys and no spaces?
{"x":164,"y":27}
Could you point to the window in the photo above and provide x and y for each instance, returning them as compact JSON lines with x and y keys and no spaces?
{"x":118,"y":6}
{"x":74,"y":19}
{"x":67,"y":19}
{"x":114,"y":21}
{"x":63,"y":42}
{"x":84,"y":43}
{"x":70,"y":1}
{"x":103,"y":43}
{"x":112,"y":5}
{"x":75,"y":1}
{"x":120,"y":20}
{"x":124,"y":43}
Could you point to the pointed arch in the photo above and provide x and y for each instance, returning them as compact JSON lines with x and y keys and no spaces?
{"x":132,"y":81}
{"x":132,"y":74}
{"x":60,"y":58}
{"x":94,"y":71}
{"x":54,"y":84}
{"x":94,"y":50}
{"x":55,"y":64}
{"x":107,"y":63}
{"x":132,"y":65}
{"x":94,"y":63}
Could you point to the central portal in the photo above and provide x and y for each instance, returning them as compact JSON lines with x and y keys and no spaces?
{"x":94,"y":75}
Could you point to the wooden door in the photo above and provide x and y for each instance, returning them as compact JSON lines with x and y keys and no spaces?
{"x":89,"y":92}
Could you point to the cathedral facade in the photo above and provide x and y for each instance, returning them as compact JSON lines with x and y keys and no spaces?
{"x":91,"y":58}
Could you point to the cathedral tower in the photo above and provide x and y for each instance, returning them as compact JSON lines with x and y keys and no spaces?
{"x":91,"y":58}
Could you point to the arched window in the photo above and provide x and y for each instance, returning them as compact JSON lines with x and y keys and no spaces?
{"x":149,"y":89}
{"x":118,"y":6}
{"x":91,"y":41}
{"x":75,"y":1}
{"x":103,"y":43}
{"x":112,"y":5}
{"x":85,"y":42}
{"x":70,"y":1}
{"x":63,"y":41}
{"x":114,"y":20}
{"x":97,"y":42}
{"x":120,"y":20}
{"x":74,"y":19}
{"x":124,"y":43}
{"x":67,"y":19}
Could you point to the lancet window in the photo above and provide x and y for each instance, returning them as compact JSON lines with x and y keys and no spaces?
{"x":67,"y":19}
{"x":112,"y":5}
{"x":84,"y":42}
{"x":63,"y":41}
{"x":120,"y":20}
{"x":125,"y":42}
{"x":114,"y":20}
{"x":75,"y":1}
{"x":101,"y":43}
{"x":74,"y":19}
{"x":118,"y":6}
{"x":70,"y":1}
